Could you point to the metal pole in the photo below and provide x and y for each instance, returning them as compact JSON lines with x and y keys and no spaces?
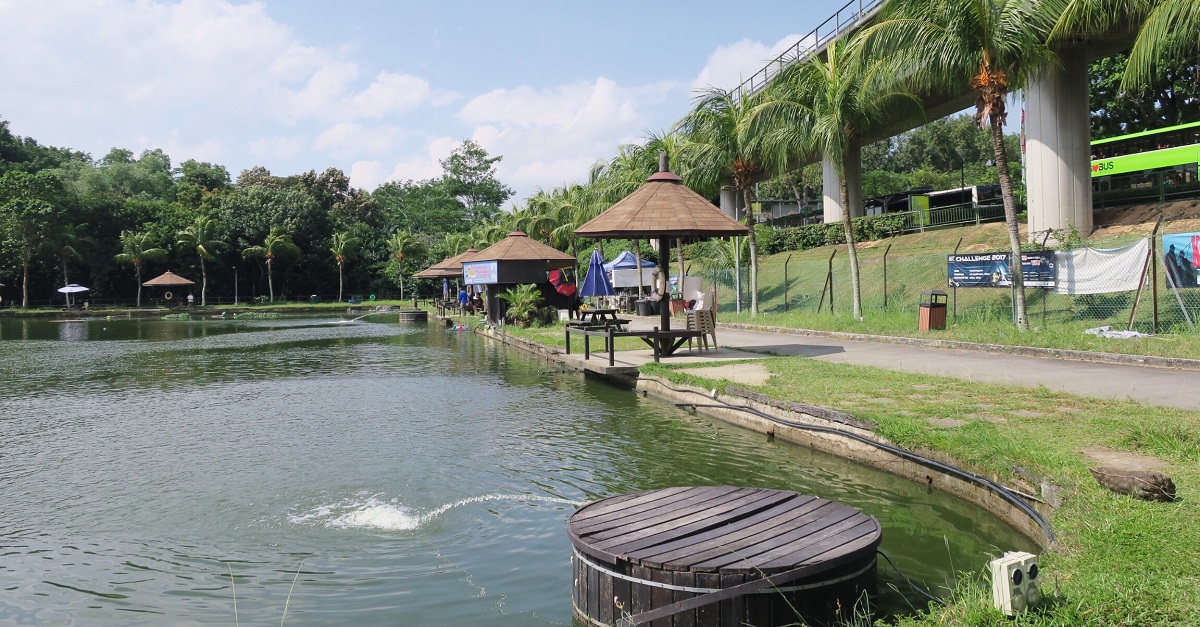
{"x":235,"y":294}
{"x":885,"y":290}
{"x":785,"y":283}
{"x":737,"y":272}
{"x":954,"y":289}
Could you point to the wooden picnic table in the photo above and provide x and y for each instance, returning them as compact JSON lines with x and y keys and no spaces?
{"x":663,"y":343}
{"x":597,"y":315}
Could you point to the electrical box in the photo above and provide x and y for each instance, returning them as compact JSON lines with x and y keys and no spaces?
{"x":1015,"y":582}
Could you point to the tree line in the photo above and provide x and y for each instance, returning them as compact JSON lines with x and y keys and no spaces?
{"x":107,"y":223}
{"x":287,"y":230}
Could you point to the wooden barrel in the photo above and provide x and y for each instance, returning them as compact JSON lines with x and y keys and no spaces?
{"x":698,"y":556}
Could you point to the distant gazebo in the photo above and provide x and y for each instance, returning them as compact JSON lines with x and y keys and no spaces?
{"x":514,"y":260}
{"x":168,"y":281}
{"x":448,"y":268}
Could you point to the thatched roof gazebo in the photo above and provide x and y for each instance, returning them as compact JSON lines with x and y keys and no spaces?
{"x":448,"y":268}
{"x":168,"y":279}
{"x":664,"y":209}
{"x":513,"y":260}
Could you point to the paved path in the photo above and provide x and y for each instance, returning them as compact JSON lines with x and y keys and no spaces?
{"x":1143,"y":384}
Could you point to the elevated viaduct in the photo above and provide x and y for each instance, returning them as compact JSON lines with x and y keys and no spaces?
{"x":1057,"y":125}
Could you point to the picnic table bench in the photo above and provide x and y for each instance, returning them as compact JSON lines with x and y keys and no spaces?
{"x":663,"y":343}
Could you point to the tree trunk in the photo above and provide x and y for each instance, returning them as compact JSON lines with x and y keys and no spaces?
{"x":25,"y":282}
{"x":753,"y":244}
{"x":137,"y":268}
{"x":66,"y":280}
{"x":340,"y":283}
{"x":270,"y":282}
{"x":851,"y":249}
{"x":203,"y":281}
{"x":1010,"y":219}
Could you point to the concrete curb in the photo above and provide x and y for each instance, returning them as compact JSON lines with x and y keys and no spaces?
{"x":1176,"y":363}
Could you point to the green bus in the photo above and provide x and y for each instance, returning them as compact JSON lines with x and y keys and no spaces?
{"x":1172,"y":147}
{"x":1161,"y":163}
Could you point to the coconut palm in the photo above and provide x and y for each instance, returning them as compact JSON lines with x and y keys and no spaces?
{"x":824,"y":106}
{"x":276,"y":246}
{"x":1167,"y":34}
{"x":719,"y":149}
{"x":69,"y":242}
{"x":991,"y":46}
{"x":201,"y":239}
{"x":400,"y":244}
{"x":343,"y":247}
{"x":138,"y":248}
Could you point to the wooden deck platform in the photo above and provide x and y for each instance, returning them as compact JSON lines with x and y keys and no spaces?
{"x":720,"y":556}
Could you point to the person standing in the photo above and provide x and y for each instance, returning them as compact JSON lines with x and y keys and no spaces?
{"x":191,"y":300}
{"x":462,"y":300}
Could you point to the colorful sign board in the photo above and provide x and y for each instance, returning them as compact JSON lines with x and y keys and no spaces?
{"x":1181,"y":256}
{"x":480,"y":273}
{"x":994,"y":269}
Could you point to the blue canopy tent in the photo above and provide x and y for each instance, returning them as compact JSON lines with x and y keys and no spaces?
{"x":627,"y":260}
{"x":596,"y":282}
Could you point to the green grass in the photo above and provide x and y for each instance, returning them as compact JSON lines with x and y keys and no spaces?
{"x":1118,"y":561}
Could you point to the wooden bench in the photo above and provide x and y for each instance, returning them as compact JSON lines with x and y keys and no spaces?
{"x":663,"y":343}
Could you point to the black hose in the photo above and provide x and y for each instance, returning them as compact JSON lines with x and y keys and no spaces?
{"x":923,"y":592}
{"x":990,"y":485}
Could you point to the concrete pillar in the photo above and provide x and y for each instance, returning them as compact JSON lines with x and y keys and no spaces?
{"x":832,"y":191}
{"x":1057,"y":148}
{"x":730,"y":202}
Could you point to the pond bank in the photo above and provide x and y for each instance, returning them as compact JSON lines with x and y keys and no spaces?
{"x":828,"y":431}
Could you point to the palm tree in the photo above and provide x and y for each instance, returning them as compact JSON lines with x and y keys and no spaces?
{"x":991,"y":46}
{"x":69,"y":242}
{"x":825,"y":106}
{"x":1168,"y":31}
{"x":138,"y":248}
{"x":200,"y":238}
{"x":719,"y":148}
{"x":276,"y":246}
{"x":344,"y":246}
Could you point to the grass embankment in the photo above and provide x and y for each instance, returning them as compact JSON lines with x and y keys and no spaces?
{"x":917,"y":262}
{"x":1118,"y":561}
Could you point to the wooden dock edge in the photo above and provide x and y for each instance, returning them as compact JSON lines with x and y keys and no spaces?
{"x":833,"y":444}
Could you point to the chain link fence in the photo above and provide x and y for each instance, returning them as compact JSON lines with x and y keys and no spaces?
{"x":893,"y":282}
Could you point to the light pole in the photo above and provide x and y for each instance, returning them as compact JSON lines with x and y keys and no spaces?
{"x":235,"y":286}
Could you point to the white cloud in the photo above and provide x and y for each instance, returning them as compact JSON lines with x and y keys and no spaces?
{"x":728,"y":66}
{"x":551,"y":137}
{"x":346,"y":140}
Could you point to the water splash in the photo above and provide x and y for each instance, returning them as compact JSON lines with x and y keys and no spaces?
{"x":373,"y":513}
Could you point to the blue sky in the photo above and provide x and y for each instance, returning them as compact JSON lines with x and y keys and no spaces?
{"x":381,"y":90}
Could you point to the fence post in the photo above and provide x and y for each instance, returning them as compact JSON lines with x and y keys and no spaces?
{"x":885,"y":290}
{"x":785,"y":283}
{"x":954,"y":289}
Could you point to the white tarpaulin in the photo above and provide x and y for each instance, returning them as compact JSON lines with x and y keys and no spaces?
{"x":628,"y":277}
{"x":1101,"y":271}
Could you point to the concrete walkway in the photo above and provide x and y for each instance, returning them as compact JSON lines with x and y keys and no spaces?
{"x":1144,"y":384}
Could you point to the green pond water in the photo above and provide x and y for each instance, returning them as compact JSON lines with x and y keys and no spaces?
{"x":360,"y":472}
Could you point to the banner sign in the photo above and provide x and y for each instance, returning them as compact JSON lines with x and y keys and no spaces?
{"x":1181,"y":256}
{"x":1101,"y":270}
{"x":480,"y":273}
{"x":993,"y":269}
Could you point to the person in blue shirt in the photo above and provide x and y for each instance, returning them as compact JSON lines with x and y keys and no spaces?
{"x":462,"y":300}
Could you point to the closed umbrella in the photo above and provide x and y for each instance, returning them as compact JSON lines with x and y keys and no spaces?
{"x":596,"y":283}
